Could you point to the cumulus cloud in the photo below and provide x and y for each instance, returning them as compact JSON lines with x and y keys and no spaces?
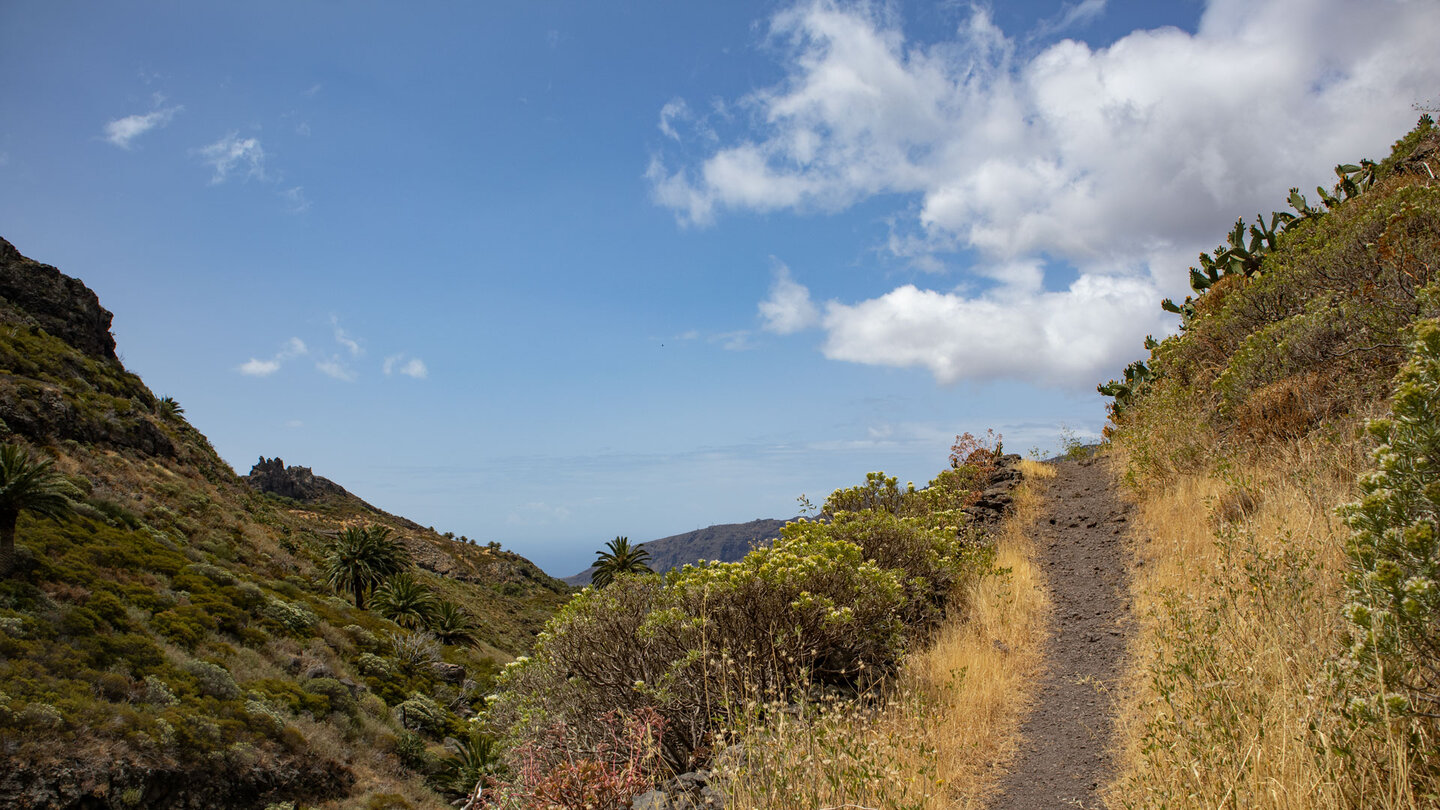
{"x":234,"y":154}
{"x":1117,"y":164}
{"x":1060,"y":337}
{"x":257,"y":367}
{"x":410,"y":367}
{"x":788,"y":309}
{"x":122,"y":131}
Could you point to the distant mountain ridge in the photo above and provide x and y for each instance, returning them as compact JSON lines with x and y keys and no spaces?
{"x":726,"y":542}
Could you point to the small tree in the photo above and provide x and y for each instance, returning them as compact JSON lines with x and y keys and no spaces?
{"x":620,"y":558}
{"x":27,"y":485}
{"x":362,"y":558}
{"x":451,"y":624}
{"x":404,"y":601}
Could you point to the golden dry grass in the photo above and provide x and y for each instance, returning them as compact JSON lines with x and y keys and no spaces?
{"x":936,"y":737}
{"x":1237,"y":590}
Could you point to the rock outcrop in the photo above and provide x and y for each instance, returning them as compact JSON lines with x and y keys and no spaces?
{"x":995,"y":500}
{"x":57,"y":303}
{"x":300,"y":483}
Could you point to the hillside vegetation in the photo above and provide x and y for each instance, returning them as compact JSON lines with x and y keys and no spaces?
{"x":1289,"y":654}
{"x":176,"y":641}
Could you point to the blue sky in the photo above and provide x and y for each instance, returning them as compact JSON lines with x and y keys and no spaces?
{"x":547,"y":273}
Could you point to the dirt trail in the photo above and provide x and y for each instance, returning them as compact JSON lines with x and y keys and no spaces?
{"x":1063,"y":760}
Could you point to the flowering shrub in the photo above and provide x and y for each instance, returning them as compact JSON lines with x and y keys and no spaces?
{"x":830,"y":604}
{"x":618,"y":648}
{"x":929,"y":553}
{"x":878,"y":493}
{"x":811,"y":606}
{"x":1394,"y":550}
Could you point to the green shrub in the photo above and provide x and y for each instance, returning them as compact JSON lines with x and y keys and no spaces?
{"x":293,"y":617}
{"x":270,"y":717}
{"x":421,"y":713}
{"x":879,"y":492}
{"x":213,"y":680}
{"x":337,"y":694}
{"x":374,"y":665}
{"x":1393,"y":587}
{"x":158,"y":692}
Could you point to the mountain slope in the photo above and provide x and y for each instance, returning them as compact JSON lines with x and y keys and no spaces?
{"x":726,"y":542}
{"x":174,"y":644}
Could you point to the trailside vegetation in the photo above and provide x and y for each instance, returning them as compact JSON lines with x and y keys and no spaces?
{"x":645,"y":676}
{"x":1288,"y":656}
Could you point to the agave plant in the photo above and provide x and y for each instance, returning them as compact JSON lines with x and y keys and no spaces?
{"x":452,"y":625}
{"x":470,"y":762}
{"x":404,"y":601}
{"x":415,"y":652}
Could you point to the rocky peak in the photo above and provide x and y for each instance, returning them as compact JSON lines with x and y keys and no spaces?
{"x":271,"y":475}
{"x":57,"y":303}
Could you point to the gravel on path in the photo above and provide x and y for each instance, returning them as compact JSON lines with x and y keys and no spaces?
{"x":1080,"y":539}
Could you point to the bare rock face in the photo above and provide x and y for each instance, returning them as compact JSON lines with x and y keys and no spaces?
{"x":299,"y":483}
{"x":59,"y":304}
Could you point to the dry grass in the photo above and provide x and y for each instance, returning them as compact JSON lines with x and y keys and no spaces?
{"x":936,"y":737}
{"x":1231,"y":703}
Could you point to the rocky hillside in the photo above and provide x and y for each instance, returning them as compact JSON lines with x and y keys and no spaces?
{"x":175,"y":643}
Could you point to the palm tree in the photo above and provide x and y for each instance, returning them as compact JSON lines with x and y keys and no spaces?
{"x":170,"y":409}
{"x":404,"y":601}
{"x":362,"y":558}
{"x":622,"y":558}
{"x":28,"y":485}
{"x":452,"y":625}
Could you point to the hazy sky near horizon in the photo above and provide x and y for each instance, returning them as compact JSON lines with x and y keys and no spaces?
{"x":551,"y":272}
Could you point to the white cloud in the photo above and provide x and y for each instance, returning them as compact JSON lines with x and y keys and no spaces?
{"x":1119,"y":163}
{"x":412,"y":367}
{"x":737,"y":341}
{"x":1060,"y":338}
{"x":122,"y":131}
{"x":788,"y":309}
{"x":232,"y":153}
{"x":259,"y":368}
{"x":1072,"y":15}
{"x":255,"y":367}
{"x":294,"y":423}
{"x":336,"y":368}
{"x":350,"y":344}
{"x":295,"y":200}
{"x":675,"y":109}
